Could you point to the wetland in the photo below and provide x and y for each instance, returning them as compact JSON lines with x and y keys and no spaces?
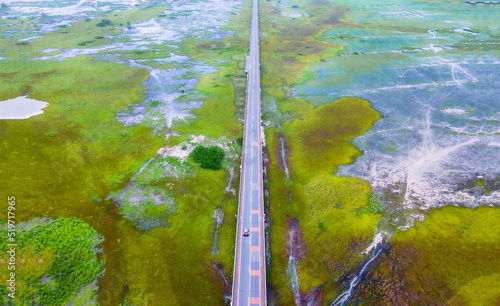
{"x":381,"y":124}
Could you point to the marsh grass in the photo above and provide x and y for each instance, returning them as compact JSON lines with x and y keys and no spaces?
{"x":449,"y":258}
{"x":70,"y":160}
{"x":289,"y":46}
{"x":318,"y":140}
{"x":82,"y":33}
{"x":219,"y":92}
{"x":59,"y":162}
{"x":321,"y":141}
{"x":63,"y":152}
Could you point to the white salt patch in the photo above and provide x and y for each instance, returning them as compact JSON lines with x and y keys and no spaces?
{"x":181,"y":151}
{"x":379,"y":237}
{"x":30,"y":38}
{"x":466,"y":31}
{"x":21,"y":108}
{"x":454,"y":111}
{"x":433,"y":48}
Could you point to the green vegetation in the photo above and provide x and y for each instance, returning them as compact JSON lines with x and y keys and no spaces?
{"x":218,"y":93}
{"x":74,"y":35}
{"x":322,"y":139}
{"x":449,"y":258}
{"x":317,"y":141}
{"x":208,"y":158}
{"x":61,"y":153}
{"x":284,"y":38}
{"x":77,"y":160}
{"x":55,"y":259}
{"x":104,"y":22}
{"x":60,"y":161}
{"x":326,"y":206}
{"x":154,"y":103}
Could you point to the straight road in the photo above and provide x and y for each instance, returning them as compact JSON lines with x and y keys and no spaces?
{"x":249,"y":279}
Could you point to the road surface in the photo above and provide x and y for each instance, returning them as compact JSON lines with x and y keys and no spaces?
{"x":249,"y":279}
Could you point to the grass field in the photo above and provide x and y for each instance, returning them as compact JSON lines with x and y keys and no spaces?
{"x":449,"y":258}
{"x":328,"y":208}
{"x":72,"y":160}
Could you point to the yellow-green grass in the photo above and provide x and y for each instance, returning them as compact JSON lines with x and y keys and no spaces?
{"x":318,"y":140}
{"x":85,"y":33}
{"x":57,"y":163}
{"x":174,"y":263}
{"x":15,"y":29}
{"x":290,"y":45}
{"x":333,"y":229}
{"x":317,"y":144}
{"x":232,"y":47}
{"x":451,"y":258}
{"x":326,"y":207}
{"x":31,"y":266}
{"x":53,"y":260}
{"x":321,"y":141}
{"x":280,"y":210}
{"x":81,"y":154}
{"x":215,"y":118}
{"x":182,"y":266}
{"x":179,"y":255}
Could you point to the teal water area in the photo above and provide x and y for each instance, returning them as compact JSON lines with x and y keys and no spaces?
{"x":431,"y":69}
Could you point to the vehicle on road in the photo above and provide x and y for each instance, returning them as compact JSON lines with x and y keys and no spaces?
{"x":246,"y":232}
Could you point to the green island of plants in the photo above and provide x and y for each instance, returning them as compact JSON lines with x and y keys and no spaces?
{"x":208,"y":158}
{"x":55,"y":260}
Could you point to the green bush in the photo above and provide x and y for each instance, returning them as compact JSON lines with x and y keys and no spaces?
{"x":208,"y":158}
{"x":104,"y":22}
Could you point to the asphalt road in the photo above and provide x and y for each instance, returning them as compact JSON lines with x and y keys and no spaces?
{"x":249,"y":279}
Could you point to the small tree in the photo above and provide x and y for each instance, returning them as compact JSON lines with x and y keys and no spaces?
{"x":208,"y":158}
{"x":104,"y":22}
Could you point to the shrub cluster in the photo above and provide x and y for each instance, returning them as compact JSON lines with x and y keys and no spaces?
{"x":73,"y":266}
{"x":209,"y":158}
{"x":104,"y":22}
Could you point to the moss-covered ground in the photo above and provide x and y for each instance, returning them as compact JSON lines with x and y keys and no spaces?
{"x":77,"y":160}
{"x":327,"y":207}
{"x":83,"y":34}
